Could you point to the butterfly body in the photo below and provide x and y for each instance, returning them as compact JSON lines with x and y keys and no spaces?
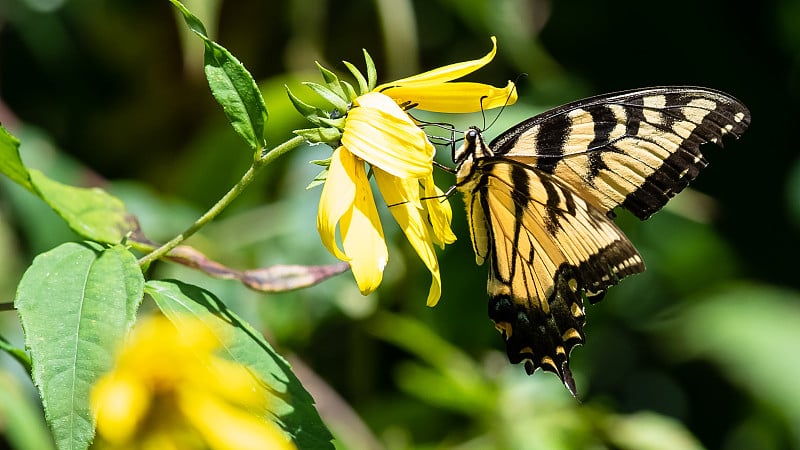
{"x":540,"y":196}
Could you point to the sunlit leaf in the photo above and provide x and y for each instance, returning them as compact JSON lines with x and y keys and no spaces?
{"x":76,"y":303}
{"x":91,"y":212}
{"x":231,"y":85}
{"x":10,"y":162}
{"x":291,"y":406}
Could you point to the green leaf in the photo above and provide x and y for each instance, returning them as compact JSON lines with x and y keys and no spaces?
{"x":324,"y":135}
{"x":10,"y":162}
{"x":231,"y":85}
{"x":76,"y":303}
{"x":193,"y":22}
{"x":237,"y":92}
{"x":91,"y":212}
{"x":363,"y":87}
{"x":291,"y":406}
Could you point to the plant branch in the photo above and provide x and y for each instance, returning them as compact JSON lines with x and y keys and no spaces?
{"x":263,"y":160}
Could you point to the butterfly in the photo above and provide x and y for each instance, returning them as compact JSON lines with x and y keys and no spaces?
{"x":539,"y":201}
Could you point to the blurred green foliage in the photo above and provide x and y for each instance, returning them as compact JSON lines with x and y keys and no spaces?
{"x":699,"y":351}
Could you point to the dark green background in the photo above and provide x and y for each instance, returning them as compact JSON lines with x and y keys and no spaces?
{"x":107,"y":92}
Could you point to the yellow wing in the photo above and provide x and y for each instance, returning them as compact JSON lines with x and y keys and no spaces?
{"x":546,"y":247}
{"x":540,"y":195}
{"x":636,"y":148}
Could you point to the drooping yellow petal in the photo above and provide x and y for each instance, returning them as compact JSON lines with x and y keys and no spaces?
{"x":403,"y":195}
{"x":440,"y":214}
{"x":382,"y":134}
{"x":338,"y":195}
{"x":456,"y":97}
{"x":228,"y":428}
{"x":362,"y":236}
{"x":443,"y":74}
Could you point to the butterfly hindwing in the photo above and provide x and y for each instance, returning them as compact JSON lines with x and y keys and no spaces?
{"x":636,"y":148}
{"x":539,"y":201}
{"x":548,"y":247}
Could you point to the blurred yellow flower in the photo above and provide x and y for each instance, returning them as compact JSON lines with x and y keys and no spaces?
{"x":400,"y":156}
{"x":168,"y":390}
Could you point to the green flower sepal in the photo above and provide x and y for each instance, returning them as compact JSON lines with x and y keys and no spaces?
{"x":339,"y":95}
{"x":321,"y":135}
{"x":323,"y":175}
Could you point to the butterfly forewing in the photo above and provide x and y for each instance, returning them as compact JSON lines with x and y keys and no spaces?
{"x":538,"y":200}
{"x":636,"y":149}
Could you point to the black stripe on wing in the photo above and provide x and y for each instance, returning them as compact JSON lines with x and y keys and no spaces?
{"x":534,"y":222}
{"x":635,"y":148}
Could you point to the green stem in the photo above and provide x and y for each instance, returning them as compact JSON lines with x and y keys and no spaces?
{"x":16,"y":353}
{"x":259,"y":163}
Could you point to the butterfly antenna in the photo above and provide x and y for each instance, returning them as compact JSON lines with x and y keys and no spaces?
{"x":508,"y":99}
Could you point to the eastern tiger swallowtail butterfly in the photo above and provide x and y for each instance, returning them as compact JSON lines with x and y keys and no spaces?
{"x":539,"y":201}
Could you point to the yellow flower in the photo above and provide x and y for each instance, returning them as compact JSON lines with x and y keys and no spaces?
{"x":435,"y":91}
{"x":169,"y":391}
{"x":400,"y":156}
